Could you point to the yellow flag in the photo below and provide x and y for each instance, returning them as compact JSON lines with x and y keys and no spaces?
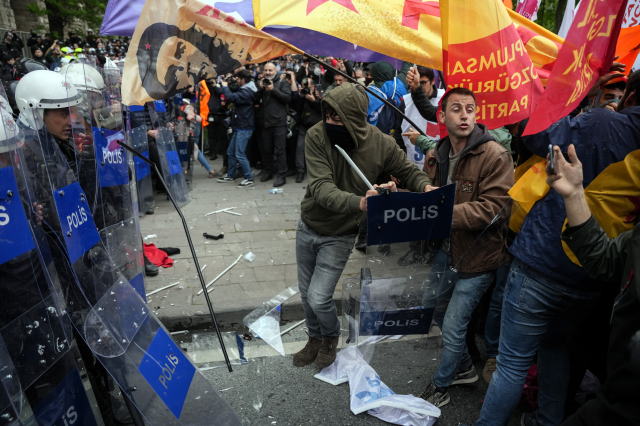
{"x":531,"y":185}
{"x":178,"y":43}
{"x":614,"y":198}
{"x":404,"y":29}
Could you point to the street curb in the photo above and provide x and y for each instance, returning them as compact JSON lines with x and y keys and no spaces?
{"x":231,"y":317}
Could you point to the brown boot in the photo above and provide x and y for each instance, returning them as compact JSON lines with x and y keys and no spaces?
{"x":308,"y":354}
{"x":489,"y":369}
{"x":327,"y":353}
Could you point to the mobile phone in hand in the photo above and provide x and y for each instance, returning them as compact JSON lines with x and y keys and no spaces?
{"x":551,"y":162}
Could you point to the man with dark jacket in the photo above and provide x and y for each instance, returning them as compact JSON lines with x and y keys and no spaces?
{"x":334,"y":206}
{"x":243,"y":125}
{"x":614,"y":262}
{"x":217,"y":130}
{"x":558,"y":291}
{"x":308,"y":108}
{"x":9,"y":67}
{"x":483,"y":171}
{"x":273,"y":96}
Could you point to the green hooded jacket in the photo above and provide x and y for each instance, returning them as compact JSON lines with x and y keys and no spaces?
{"x":331,"y":205}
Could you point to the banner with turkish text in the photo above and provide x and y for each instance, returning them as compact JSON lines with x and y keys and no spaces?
{"x":585,"y":55}
{"x":483,"y":52}
{"x":178,"y":43}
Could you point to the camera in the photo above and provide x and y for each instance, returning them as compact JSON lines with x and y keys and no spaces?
{"x":59,"y":43}
{"x":304,"y":92}
{"x":287,"y":76}
{"x":231,"y":79}
{"x":266,"y":82}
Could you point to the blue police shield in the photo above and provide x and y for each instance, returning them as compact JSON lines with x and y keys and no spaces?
{"x":171,"y":167}
{"x":138,"y":138}
{"x":106,"y":310}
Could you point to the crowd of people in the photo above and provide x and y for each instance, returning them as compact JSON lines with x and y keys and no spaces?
{"x":527,"y":299}
{"x":53,"y":53}
{"x":531,"y":303}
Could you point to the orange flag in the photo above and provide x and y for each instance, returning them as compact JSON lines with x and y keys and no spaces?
{"x":204,"y":102}
{"x":178,"y":43}
{"x":483,"y":52}
{"x":585,"y":55}
{"x":628,"y":45}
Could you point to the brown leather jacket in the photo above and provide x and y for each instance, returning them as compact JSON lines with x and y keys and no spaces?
{"x":484,"y":176}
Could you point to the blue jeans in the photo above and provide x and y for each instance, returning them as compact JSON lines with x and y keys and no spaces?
{"x":492,"y":326}
{"x":462,"y":295}
{"x":203,"y":161}
{"x":321,"y":260}
{"x":236,"y":153}
{"x":537,"y":316}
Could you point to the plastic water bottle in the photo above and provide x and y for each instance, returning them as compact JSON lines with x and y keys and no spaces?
{"x":276,"y":191}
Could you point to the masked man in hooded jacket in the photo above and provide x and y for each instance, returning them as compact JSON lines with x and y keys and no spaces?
{"x":334,"y":206}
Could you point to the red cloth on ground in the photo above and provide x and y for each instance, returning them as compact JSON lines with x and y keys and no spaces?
{"x":157,"y":256}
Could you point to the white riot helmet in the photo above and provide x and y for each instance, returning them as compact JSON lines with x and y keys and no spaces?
{"x":110,"y":65}
{"x":40,"y":90}
{"x":8,"y":128}
{"x":80,"y":81}
{"x":86,"y":70}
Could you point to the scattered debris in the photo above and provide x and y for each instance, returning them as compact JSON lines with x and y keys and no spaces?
{"x":292,"y":327}
{"x":222,"y":390}
{"x":250,"y":257}
{"x":219,"y":211}
{"x":221,"y":274}
{"x":213,"y":237}
{"x":180,"y":332}
{"x":150,"y":236}
{"x":163,"y":288}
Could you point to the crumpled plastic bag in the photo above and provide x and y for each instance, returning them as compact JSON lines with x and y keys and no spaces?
{"x":369,"y":393}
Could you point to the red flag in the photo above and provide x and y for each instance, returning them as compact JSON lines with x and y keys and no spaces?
{"x":586,"y":54}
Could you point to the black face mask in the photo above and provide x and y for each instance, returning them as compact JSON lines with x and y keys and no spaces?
{"x":339,"y":135}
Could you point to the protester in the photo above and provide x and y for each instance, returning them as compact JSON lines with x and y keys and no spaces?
{"x":334,"y":205}
{"x":273,"y":96}
{"x":559,"y":292}
{"x":8,"y":71}
{"x":196,"y":120}
{"x":243,"y":125}
{"x":482,"y":168}
{"x":613,"y":261}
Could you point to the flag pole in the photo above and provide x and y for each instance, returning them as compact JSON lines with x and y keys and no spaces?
{"x":353,"y":80}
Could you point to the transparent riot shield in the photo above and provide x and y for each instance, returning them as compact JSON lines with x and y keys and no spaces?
{"x":389,"y":299}
{"x":104,"y":174}
{"x":106,"y":311}
{"x":138,"y":138}
{"x":171,"y":168}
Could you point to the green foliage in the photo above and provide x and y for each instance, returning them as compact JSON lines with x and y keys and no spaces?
{"x":64,"y":12}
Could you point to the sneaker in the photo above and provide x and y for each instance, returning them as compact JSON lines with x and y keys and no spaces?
{"x":225,"y":179}
{"x":465,"y":377}
{"x":435,"y":396}
{"x":327,"y":351}
{"x":308,"y":354}
{"x":245,"y":183}
{"x":489,"y":369}
{"x":528,"y":419}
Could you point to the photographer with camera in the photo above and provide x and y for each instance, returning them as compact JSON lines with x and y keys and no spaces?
{"x":307,"y":105}
{"x":242,"y":123}
{"x":273,"y":96}
{"x":53,"y":55}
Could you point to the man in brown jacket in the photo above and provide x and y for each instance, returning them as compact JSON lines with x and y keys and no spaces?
{"x":483,"y":171}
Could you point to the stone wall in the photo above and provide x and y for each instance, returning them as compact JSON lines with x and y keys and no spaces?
{"x":25,"y":20}
{"x":7,"y":18}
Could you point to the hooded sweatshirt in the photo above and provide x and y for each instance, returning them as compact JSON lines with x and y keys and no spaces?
{"x":243,"y":116}
{"x":331,"y":204}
